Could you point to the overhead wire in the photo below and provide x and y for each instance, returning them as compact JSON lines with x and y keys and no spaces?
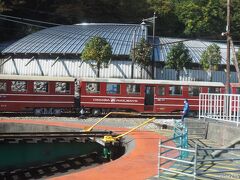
{"x":30,"y":20}
{"x":20,"y":20}
{"x":25,"y":23}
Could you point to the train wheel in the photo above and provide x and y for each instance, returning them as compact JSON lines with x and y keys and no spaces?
{"x":57,"y":112}
{"x":38,"y":112}
{"x":96,"y":112}
{"x":193,"y":114}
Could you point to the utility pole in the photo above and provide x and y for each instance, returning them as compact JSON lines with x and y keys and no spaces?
{"x":153,"y":21}
{"x":133,"y":57}
{"x":153,"y":56}
{"x":228,"y":48}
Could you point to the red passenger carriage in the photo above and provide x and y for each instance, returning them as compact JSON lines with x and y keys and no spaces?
{"x":53,"y":95}
{"x":40,"y":94}
{"x":144,"y":96}
{"x":235,"y":88}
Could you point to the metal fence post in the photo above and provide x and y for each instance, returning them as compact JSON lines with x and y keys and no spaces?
{"x":159,"y":157}
{"x":195,"y":162}
{"x":181,"y":145}
{"x":186,"y":153}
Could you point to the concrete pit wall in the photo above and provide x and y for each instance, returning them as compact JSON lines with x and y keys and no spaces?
{"x":222,"y":133}
{"x":18,"y":127}
{"x":128,"y":143}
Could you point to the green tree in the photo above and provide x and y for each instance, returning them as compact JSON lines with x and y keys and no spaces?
{"x":2,"y":6}
{"x":141,"y":54}
{"x":210,"y":59}
{"x":205,"y":17}
{"x":178,"y":58}
{"x":99,"y":50}
{"x":238,"y":58}
{"x":235,"y":24}
{"x":166,"y":12}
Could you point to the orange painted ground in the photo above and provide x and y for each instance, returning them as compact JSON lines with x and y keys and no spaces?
{"x":140,"y":163}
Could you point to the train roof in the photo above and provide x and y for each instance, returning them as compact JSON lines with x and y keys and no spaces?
{"x":112,"y":80}
{"x":147,"y":81}
{"x":35,"y":78}
{"x":235,"y":84}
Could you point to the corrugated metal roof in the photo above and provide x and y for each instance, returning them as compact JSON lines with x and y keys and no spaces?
{"x":70,"y":39}
{"x":196,"y":48}
{"x":4,"y":45}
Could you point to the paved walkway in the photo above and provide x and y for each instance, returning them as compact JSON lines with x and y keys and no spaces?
{"x":138,"y":164}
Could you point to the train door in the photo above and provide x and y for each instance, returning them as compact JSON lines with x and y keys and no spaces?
{"x":149,"y":98}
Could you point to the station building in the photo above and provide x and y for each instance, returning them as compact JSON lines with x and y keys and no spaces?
{"x":57,"y":51}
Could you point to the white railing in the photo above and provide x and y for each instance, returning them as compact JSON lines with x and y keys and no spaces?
{"x":195,"y":164}
{"x":164,"y":158}
{"x":221,"y":107}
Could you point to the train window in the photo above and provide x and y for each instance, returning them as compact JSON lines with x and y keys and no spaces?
{"x":194,"y":90}
{"x":40,"y":86}
{"x":62,"y":87}
{"x":19,"y":86}
{"x":175,"y":90}
{"x":92,"y":87}
{"x":161,"y":90}
{"x":237,"y":90}
{"x":113,"y":88}
{"x":214,"y":90}
{"x":133,"y":88}
{"x":3,"y":86}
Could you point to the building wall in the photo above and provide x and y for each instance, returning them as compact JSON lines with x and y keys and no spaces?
{"x":195,"y":75}
{"x":116,"y":69}
{"x":1,"y":67}
{"x":73,"y":68}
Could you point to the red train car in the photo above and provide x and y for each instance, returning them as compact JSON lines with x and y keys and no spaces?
{"x":52,"y":95}
{"x":235,"y":88}
{"x":39,"y":94}
{"x":145,"y":96}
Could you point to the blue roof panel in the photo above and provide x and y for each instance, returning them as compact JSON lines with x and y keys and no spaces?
{"x":195,"y":47}
{"x":70,"y":39}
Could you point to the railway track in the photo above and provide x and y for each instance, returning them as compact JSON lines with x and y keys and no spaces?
{"x":73,"y":115}
{"x":53,"y":169}
{"x":50,"y":135}
{"x":63,"y":165}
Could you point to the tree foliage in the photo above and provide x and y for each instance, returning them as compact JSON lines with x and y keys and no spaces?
{"x":238,"y":57}
{"x":178,"y":57}
{"x":201,"y":17}
{"x":189,"y":18}
{"x":210,"y":59}
{"x":99,"y":50}
{"x":142,"y":53}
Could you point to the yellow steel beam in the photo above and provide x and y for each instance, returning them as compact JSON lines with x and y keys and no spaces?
{"x":113,"y":139}
{"x":88,"y":129}
{"x":140,"y":125}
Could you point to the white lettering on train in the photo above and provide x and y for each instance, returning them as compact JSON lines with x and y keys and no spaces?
{"x":112,"y":100}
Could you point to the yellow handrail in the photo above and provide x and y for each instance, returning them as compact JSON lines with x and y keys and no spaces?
{"x":122,"y":113}
{"x":113,"y":139}
{"x":144,"y":123}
